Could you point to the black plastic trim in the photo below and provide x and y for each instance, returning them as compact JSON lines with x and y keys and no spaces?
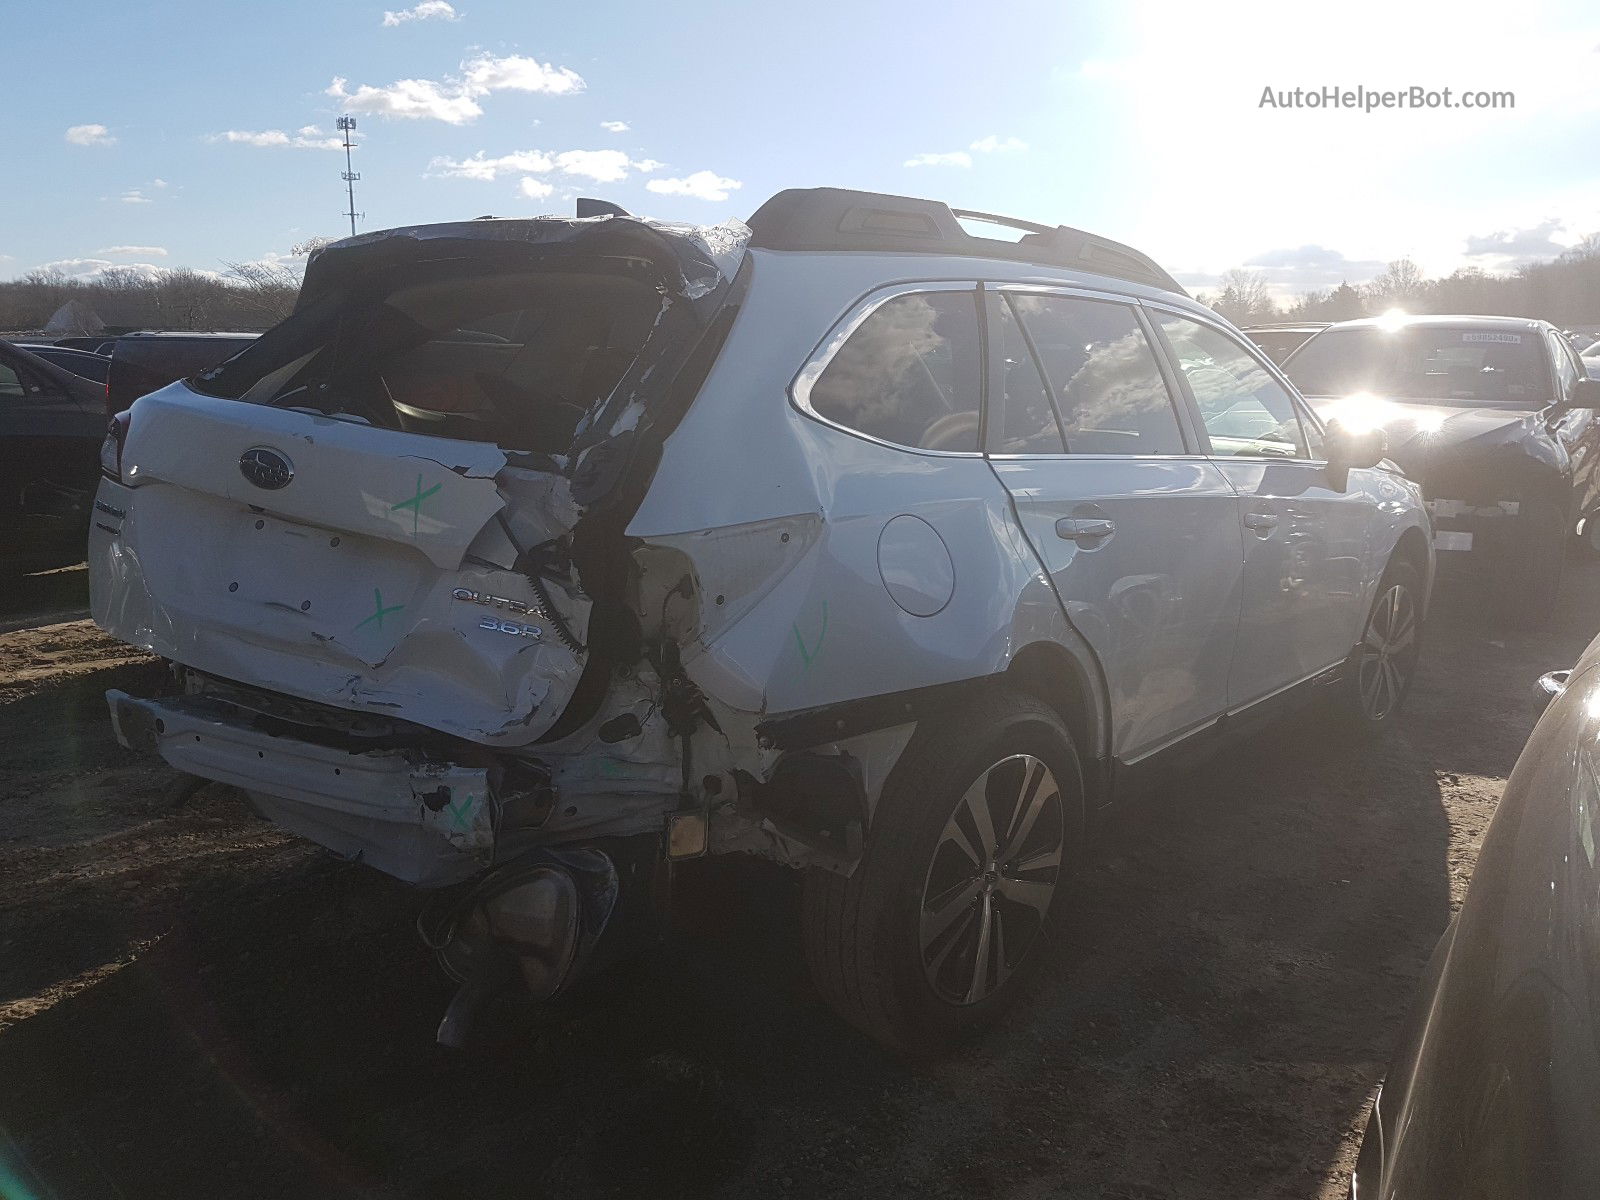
{"x":842,"y":219}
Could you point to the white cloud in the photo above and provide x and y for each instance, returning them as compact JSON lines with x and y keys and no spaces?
{"x":483,"y":168}
{"x":954,"y":158}
{"x":135,"y":196}
{"x":455,"y":100}
{"x":158,"y":183}
{"x":515,"y":73}
{"x":428,"y":10}
{"x":614,"y":126}
{"x":90,"y":135}
{"x":308,"y":137}
{"x":1513,"y":247}
{"x":702,"y":185}
{"x":413,"y":99}
{"x":602,"y":166}
{"x":88,"y":270}
{"x":993,"y":144}
{"x":146,"y":251}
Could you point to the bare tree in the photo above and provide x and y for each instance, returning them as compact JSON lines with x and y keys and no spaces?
{"x":266,"y":292}
{"x":1245,"y":298}
{"x":1401,"y":285}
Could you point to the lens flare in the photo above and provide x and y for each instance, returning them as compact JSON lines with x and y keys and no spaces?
{"x":1361,"y":412}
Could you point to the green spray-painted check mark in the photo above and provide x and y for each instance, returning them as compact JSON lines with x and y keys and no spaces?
{"x":415,"y":504}
{"x":460,"y":814}
{"x":379,"y":612}
{"x":809,"y":655}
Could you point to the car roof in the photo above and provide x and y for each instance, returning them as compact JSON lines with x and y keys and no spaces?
{"x":1443,"y":320}
{"x":813,"y":221}
{"x":179,"y":333}
{"x":1286,"y":326}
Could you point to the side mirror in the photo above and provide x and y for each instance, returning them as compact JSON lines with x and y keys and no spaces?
{"x":1347,"y":448}
{"x":1585,"y":394}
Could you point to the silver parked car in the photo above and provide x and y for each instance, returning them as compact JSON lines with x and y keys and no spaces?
{"x":531,"y":556}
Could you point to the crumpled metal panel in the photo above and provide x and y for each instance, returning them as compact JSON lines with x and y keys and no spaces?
{"x":431,"y":494}
{"x":345,"y":586}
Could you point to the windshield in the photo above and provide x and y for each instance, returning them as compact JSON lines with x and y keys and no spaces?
{"x":1491,"y":367}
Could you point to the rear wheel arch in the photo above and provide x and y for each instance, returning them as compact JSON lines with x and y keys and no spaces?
{"x":1411,"y":548}
{"x":1071,"y":685}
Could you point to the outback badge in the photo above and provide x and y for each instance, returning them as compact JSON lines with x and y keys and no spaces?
{"x":266,"y":468}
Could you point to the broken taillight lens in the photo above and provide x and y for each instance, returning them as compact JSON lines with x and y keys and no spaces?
{"x":111,"y":448}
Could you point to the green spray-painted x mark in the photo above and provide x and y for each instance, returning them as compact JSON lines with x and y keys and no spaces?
{"x":809,"y":655}
{"x":415,"y":504}
{"x":379,"y":612}
{"x":460,"y":814}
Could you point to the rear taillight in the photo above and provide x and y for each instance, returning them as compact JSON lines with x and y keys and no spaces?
{"x":111,"y":448}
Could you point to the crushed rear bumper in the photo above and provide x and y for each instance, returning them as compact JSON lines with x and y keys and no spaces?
{"x":423,"y":822}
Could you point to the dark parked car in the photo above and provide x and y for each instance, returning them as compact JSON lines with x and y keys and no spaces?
{"x":52,"y":424}
{"x":1493,"y":416}
{"x":1283,"y":338}
{"x":143,"y":362}
{"x":1495,"y":1092}
{"x":99,"y":343}
{"x":81,"y":363}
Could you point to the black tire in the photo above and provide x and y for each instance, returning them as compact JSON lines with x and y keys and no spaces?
{"x":1380,"y":670}
{"x":865,"y":935}
{"x":1528,"y":576}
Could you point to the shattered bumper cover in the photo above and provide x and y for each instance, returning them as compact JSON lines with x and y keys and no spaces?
{"x":426,"y":823}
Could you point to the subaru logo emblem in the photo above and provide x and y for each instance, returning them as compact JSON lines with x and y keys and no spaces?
{"x":266,"y":468}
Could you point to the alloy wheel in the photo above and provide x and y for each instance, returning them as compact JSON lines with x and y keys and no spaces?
{"x":1388,"y":652}
{"x":994,"y":874}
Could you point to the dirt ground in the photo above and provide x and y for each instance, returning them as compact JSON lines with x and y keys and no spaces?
{"x":192,"y":1004}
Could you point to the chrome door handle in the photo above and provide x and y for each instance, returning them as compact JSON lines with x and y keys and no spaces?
{"x":1084,"y":529}
{"x":1260,"y":522}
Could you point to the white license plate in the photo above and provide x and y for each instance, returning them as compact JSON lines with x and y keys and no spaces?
{"x":1449,"y":539}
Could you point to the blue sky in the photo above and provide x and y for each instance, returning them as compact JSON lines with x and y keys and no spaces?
{"x":193,"y":133}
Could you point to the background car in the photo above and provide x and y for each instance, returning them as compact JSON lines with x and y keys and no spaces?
{"x":1494,"y":1092}
{"x":1283,"y":338}
{"x":82,"y":363}
{"x":1494,"y":416}
{"x":143,"y":362}
{"x":52,"y":424}
{"x":1591,"y":358}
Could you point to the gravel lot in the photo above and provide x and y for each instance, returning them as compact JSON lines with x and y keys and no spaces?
{"x":192,"y":1004}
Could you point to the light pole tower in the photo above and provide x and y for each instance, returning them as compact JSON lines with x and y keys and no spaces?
{"x":347,"y":126}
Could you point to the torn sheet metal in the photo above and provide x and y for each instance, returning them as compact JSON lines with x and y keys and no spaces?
{"x":703,"y":258}
{"x":425,"y":823}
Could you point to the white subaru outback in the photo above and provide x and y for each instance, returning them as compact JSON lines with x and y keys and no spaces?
{"x":529,"y":557}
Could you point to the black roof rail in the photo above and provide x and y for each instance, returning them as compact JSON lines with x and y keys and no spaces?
{"x":843,"y":219}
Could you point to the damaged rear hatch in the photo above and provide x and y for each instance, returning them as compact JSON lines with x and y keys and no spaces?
{"x":387,"y":503}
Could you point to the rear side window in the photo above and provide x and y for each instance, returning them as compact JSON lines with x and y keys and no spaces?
{"x":1102,"y":372}
{"x":908,"y":374}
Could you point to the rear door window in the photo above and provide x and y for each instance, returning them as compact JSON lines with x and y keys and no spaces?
{"x":1103,"y":375}
{"x":908,"y":374}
